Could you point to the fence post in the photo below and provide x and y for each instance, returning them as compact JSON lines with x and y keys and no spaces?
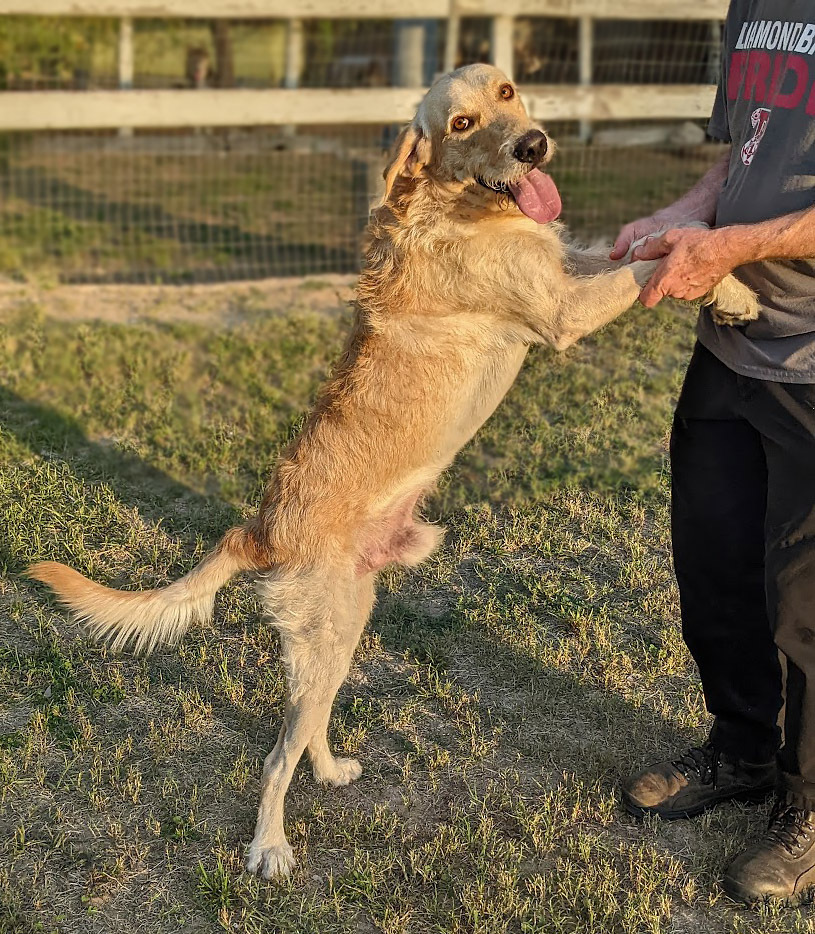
{"x":502,"y":52}
{"x":295,"y":60}
{"x":295,"y":41}
{"x":410,"y":42}
{"x":585,"y":66}
{"x":451,"y":41}
{"x":125,"y":61}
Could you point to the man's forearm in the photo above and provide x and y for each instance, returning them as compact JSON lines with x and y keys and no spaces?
{"x":791,"y":236}
{"x":699,"y":204}
{"x":696,"y":260}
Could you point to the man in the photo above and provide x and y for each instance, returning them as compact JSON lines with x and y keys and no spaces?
{"x":743,"y":450}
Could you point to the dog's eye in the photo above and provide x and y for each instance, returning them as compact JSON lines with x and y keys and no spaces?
{"x":507,"y":92}
{"x":461,"y":123}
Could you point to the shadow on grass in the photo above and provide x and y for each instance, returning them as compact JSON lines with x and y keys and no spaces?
{"x":57,"y":438}
{"x":223,"y":250}
{"x":555,"y":720}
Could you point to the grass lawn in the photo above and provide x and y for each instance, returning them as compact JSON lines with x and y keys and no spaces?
{"x":498,"y":696}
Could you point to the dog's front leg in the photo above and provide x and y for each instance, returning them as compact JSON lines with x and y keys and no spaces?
{"x":590,"y":261}
{"x":731,"y":301}
{"x":588,"y":304}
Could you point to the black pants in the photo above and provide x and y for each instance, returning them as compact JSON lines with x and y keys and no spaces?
{"x":743,"y":515}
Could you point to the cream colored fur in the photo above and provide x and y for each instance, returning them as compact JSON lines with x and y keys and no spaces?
{"x":457,"y":285}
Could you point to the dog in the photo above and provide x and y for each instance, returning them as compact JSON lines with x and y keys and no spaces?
{"x":466,"y":267}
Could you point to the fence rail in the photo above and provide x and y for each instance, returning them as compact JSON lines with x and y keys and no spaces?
{"x":98,"y":110}
{"x":371,"y":9}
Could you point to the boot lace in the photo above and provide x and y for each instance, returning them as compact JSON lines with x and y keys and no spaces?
{"x":791,"y":827}
{"x":699,"y":762}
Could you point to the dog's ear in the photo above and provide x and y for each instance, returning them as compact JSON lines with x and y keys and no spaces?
{"x":410,"y":154}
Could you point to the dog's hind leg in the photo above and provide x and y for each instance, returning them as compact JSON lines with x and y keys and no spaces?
{"x":330,"y":769}
{"x":318,"y":641}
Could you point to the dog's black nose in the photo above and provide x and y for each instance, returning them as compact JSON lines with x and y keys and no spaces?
{"x":531,"y":147}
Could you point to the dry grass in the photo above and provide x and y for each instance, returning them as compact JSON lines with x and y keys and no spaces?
{"x":498,"y":697}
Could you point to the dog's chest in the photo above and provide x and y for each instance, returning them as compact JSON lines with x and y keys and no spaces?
{"x":479,"y":396}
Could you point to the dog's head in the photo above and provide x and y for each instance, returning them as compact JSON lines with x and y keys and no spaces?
{"x":471,"y":134}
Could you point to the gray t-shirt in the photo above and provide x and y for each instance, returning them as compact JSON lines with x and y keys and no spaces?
{"x":765,"y":106}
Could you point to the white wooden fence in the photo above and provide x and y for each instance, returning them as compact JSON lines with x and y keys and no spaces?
{"x":126,"y":108}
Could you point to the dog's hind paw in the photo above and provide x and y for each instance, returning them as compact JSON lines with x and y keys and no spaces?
{"x":271,"y":862}
{"x":339,"y":772}
{"x":732,"y":303}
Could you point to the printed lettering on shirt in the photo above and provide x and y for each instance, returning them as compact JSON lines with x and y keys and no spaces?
{"x":773,"y":65}
{"x":769,"y":34}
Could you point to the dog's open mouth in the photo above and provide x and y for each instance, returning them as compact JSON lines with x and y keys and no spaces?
{"x":535,"y":194}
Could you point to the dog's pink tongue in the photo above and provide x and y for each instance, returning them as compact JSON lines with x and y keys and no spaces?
{"x":537,"y":196}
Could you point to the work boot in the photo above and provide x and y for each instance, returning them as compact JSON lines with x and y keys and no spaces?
{"x":782,"y":864}
{"x":699,"y":779}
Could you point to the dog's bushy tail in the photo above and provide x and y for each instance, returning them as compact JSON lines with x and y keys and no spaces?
{"x":148,"y":618}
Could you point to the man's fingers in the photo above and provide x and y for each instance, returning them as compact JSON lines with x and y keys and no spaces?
{"x":651,"y":295}
{"x":655,"y":290}
{"x":623,"y":242}
{"x":653,"y":248}
{"x":621,"y":245}
{"x":620,"y":248}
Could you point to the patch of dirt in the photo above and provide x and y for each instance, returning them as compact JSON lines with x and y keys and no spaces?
{"x":221,"y":305}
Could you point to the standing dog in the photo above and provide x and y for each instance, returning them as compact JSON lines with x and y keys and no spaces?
{"x":465,"y":269}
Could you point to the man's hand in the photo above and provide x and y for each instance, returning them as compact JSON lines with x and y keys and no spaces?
{"x":638,"y":229}
{"x":695,"y":260}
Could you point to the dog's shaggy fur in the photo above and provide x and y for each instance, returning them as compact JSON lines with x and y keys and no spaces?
{"x":457,"y":285}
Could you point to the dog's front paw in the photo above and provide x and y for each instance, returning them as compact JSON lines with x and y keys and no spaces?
{"x":271,"y":862}
{"x":732,"y":302}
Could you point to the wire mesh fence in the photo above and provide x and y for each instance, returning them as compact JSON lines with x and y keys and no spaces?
{"x":217,"y":204}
